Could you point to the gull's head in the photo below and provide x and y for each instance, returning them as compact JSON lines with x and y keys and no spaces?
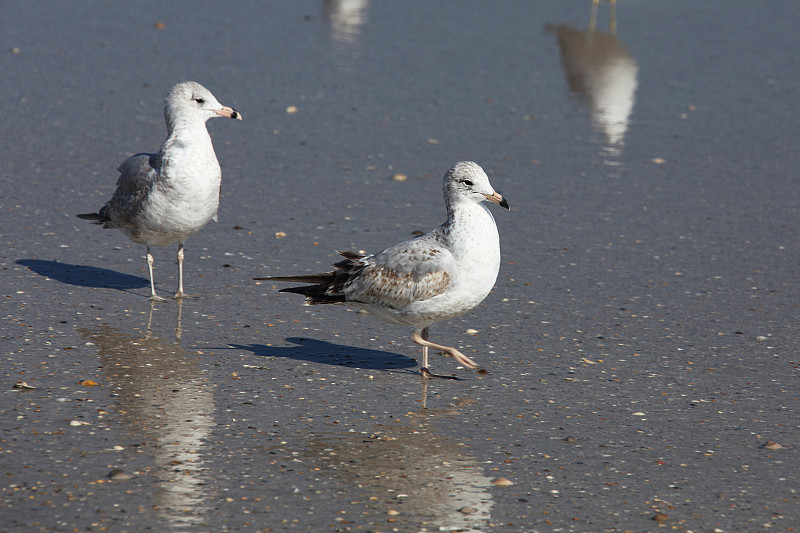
{"x":190,"y":101}
{"x":466,"y":181}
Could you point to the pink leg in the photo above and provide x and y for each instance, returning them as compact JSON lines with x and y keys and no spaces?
{"x":421,"y":338}
{"x":180,"y":293}
{"x":153,"y":296}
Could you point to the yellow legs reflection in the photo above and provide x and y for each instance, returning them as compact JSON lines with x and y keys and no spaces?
{"x":612,"y":23}
{"x":178,"y":326}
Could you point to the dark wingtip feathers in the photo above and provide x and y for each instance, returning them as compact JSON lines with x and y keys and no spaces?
{"x":97,"y":218}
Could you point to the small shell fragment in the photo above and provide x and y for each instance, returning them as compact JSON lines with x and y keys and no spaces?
{"x":502,"y":482}
{"x":118,"y":475}
{"x":772,"y":445}
{"x":471,"y":331}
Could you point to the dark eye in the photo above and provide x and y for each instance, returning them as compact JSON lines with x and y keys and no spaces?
{"x":468,"y":183}
{"x":200,"y":101}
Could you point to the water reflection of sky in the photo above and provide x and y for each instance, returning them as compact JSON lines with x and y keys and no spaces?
{"x":162,"y":398}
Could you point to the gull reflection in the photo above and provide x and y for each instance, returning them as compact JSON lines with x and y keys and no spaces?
{"x":601,"y":71}
{"x":165,"y":401}
{"x":430,"y":480}
{"x":345,"y":18}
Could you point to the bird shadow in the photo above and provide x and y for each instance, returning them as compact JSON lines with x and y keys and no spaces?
{"x":318,"y":351}
{"x":84,"y":276}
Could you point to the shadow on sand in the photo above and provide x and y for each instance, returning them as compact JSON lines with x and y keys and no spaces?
{"x":84,"y":276}
{"x":332,"y":354}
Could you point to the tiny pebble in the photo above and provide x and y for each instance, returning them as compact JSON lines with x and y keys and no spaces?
{"x":291,"y":110}
{"x":502,"y":482}
{"x":87,"y":383}
{"x":658,"y":161}
{"x":660,"y":517}
{"x":392,"y":512}
{"x":467,"y":510}
{"x":772,"y":445}
{"x":570,"y":439}
{"x":15,"y":50}
{"x":280,"y":235}
{"x":78,"y":423}
{"x":23,"y":386}
{"x":471,"y":331}
{"x":118,"y":448}
{"x":118,"y":475}
{"x":399,"y":177}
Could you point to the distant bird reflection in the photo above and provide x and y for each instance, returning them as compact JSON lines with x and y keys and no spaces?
{"x":436,"y":483}
{"x":165,"y":402}
{"x":345,"y":18}
{"x":601,"y":71}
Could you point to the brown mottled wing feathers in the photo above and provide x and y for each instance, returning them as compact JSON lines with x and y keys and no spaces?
{"x":394,"y":278}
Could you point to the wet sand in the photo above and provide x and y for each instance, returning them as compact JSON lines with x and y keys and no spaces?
{"x":641,"y":339}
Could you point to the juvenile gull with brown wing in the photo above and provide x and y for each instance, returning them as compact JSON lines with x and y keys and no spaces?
{"x":166,"y":197}
{"x":434,"y":277}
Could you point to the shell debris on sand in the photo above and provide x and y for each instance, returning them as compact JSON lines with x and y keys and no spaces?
{"x":118,"y":475}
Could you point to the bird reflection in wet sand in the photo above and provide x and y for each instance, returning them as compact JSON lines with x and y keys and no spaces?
{"x":178,"y":327}
{"x":345,"y":18}
{"x":434,"y":484}
{"x":165,"y":402}
{"x":601,"y":71}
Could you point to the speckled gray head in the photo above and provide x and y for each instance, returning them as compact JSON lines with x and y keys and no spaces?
{"x":467,"y":181}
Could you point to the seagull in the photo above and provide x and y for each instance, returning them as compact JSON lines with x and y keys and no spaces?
{"x":166,"y":197}
{"x":434,"y":277}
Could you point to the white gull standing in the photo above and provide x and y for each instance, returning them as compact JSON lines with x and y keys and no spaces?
{"x":166,"y":197}
{"x":434,"y":277}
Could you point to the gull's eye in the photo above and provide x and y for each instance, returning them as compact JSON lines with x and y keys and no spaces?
{"x":200,"y":101}
{"x":468,"y":183}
